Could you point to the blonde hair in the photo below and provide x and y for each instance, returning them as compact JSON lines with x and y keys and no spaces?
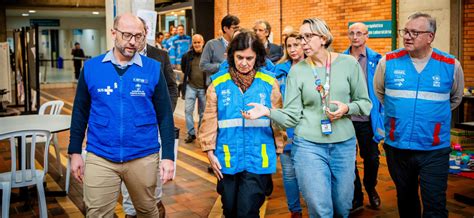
{"x":286,"y":56}
{"x":319,"y":26}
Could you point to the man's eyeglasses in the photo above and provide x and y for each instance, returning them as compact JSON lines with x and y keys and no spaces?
{"x":412,"y":33}
{"x":357,"y":34}
{"x":128,"y":36}
{"x":307,"y":36}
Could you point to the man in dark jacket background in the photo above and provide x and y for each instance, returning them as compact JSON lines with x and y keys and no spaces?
{"x":194,"y":85}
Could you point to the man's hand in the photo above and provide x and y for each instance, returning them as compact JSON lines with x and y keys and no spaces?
{"x":258,"y":111}
{"x":77,"y":167}
{"x":216,"y":166}
{"x":166,"y":170}
{"x":342,"y":109}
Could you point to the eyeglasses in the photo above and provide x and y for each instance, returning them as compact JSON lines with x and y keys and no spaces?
{"x":357,"y":34}
{"x":234,"y":27}
{"x":128,"y":36}
{"x":412,"y":33}
{"x":307,"y":36}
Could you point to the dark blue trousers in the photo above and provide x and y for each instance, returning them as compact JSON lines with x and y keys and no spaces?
{"x":243,"y":194}
{"x":428,"y":170}
{"x":369,"y":151}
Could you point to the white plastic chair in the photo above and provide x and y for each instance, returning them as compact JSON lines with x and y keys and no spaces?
{"x":55,"y":109}
{"x":24,"y":177}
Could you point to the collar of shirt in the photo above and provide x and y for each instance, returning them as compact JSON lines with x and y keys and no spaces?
{"x":136,"y":59}
{"x":363,"y":54}
{"x":226,"y":43}
{"x":144,"y":51}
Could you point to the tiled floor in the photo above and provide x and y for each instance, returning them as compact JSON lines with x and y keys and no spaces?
{"x":192,"y":193}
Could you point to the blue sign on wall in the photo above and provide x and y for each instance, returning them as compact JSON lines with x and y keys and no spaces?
{"x":45,"y":22}
{"x":379,"y":28}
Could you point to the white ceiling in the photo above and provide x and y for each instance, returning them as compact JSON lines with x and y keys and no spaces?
{"x":56,"y":13}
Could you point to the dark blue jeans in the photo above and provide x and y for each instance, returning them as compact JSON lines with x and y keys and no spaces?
{"x":369,"y":151}
{"x":426,"y":169}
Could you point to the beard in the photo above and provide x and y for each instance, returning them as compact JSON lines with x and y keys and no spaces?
{"x":125,"y":52}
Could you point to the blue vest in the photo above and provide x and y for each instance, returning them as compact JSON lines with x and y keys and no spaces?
{"x":244,"y":145}
{"x":122,"y":124}
{"x":377,"y":111}
{"x":179,"y":45}
{"x":281,"y":73}
{"x":417,"y":105}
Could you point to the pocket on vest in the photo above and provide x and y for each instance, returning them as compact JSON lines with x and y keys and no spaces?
{"x":428,"y":132}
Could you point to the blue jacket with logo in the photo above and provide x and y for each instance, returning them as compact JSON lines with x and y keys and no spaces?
{"x":281,"y":73}
{"x":179,"y":45}
{"x":122,"y":124}
{"x":417,"y":105}
{"x":377,"y":111}
{"x":244,"y":145}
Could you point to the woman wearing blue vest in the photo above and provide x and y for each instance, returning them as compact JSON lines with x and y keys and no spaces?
{"x":292,"y":54}
{"x":321,"y":92}
{"x":242,"y":152}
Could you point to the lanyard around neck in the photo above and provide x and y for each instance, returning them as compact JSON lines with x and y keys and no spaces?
{"x":323,"y":89}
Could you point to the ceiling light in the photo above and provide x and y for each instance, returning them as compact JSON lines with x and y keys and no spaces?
{"x":25,"y":15}
{"x":182,"y":11}
{"x":95,"y":12}
{"x":31,"y":11}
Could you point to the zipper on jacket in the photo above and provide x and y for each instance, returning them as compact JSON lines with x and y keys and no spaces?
{"x":121,"y":119}
{"x":414,"y":110}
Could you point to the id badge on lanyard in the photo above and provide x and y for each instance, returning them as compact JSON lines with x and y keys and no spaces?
{"x":326,"y":127}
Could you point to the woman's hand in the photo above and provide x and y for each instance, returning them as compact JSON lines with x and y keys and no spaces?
{"x":216,"y":166}
{"x":256,"y":112}
{"x":342,"y":109}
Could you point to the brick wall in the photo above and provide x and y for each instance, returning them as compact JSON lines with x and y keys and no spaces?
{"x":337,"y":13}
{"x":468,"y":43}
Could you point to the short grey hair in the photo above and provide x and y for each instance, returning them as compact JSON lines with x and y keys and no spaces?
{"x":431,"y":20}
{"x":319,"y":26}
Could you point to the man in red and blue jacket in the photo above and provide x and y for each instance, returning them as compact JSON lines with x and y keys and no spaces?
{"x":419,"y":86}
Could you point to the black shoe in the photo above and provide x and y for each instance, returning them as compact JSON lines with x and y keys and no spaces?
{"x":190,"y":138}
{"x":374,"y":199}
{"x":356,"y":206}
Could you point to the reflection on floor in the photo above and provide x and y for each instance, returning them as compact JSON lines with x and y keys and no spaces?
{"x":192,"y":193}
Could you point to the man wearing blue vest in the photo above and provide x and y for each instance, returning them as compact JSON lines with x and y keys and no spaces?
{"x":179,"y":45}
{"x":123,"y":102}
{"x":369,"y":129}
{"x":419,"y":86}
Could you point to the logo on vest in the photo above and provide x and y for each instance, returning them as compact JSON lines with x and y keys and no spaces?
{"x":262,"y":98}
{"x":108,"y":90}
{"x":137,"y":91}
{"x":399,"y":77}
{"x":436,"y":81}
{"x":226,"y":96}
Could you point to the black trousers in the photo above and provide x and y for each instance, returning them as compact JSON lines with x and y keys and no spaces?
{"x":243,"y":194}
{"x":429,"y":169}
{"x":369,"y":151}
{"x":77,"y":68}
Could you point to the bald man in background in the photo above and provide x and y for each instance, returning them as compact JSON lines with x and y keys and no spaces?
{"x":194,"y":82}
{"x":369,"y":129}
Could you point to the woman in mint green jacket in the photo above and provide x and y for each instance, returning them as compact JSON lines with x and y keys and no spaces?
{"x":321,"y":92}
